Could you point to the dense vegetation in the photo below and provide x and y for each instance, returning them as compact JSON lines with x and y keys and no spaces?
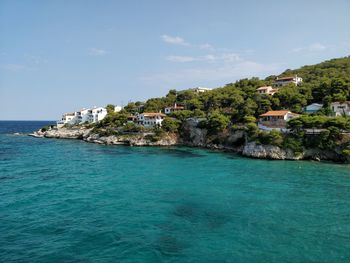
{"x":238,"y":105}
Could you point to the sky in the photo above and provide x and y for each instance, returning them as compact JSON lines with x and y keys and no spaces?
{"x":60,"y":56}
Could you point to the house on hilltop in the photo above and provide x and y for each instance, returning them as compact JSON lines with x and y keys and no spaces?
{"x":174,"y":108}
{"x":280,"y":82}
{"x":268,"y":90}
{"x":276,"y":120}
{"x":341,"y":108}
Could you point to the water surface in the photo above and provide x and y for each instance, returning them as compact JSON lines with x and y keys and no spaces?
{"x":70,"y":201}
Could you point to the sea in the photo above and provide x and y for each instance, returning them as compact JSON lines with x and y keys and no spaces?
{"x":72,"y":201}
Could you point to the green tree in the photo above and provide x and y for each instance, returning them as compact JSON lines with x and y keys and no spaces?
{"x":170,"y":124}
{"x":217,"y":121}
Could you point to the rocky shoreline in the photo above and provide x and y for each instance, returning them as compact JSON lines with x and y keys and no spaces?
{"x":197,"y":138}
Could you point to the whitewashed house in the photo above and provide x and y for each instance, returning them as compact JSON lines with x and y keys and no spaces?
{"x":84,"y":115}
{"x":174,"y":108}
{"x":276,"y":120}
{"x":268,"y":90}
{"x":98,"y":114}
{"x":150,"y":119}
{"x":341,"y":108}
{"x":314,"y":107}
{"x":201,"y":89}
{"x":67,"y":118}
{"x":280,"y":82}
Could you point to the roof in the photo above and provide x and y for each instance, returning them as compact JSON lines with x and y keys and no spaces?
{"x":152,"y":114}
{"x":275,"y":113}
{"x":315,"y":104}
{"x":177,"y":107}
{"x":338,"y":102}
{"x":285,"y":78}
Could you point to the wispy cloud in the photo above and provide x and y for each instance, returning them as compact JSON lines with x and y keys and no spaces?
{"x":97,"y":52}
{"x":174,"y":40}
{"x":223,"y":74}
{"x":15,"y":67}
{"x":36,"y":59}
{"x":225,"y":57}
{"x":315,"y":47}
{"x":181,"y":59}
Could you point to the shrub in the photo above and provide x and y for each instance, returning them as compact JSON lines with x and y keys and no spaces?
{"x":170,"y":124}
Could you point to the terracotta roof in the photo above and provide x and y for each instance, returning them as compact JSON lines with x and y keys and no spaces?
{"x":275,"y":113}
{"x":152,"y":114}
{"x":338,"y":102}
{"x":285,"y":78}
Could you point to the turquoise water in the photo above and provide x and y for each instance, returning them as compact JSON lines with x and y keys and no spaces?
{"x":70,"y":201}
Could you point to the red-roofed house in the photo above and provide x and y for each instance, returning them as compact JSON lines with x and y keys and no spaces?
{"x":276,"y":119}
{"x":174,"y":108}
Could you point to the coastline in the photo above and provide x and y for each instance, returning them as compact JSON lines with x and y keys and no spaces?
{"x":198,"y":140}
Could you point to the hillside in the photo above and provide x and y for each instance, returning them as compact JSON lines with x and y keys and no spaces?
{"x":327,"y":81}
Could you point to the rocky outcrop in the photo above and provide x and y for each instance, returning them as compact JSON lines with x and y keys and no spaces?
{"x":141,"y":139}
{"x":254,"y":150}
{"x":167,"y":139}
{"x":66,"y":133}
{"x":192,"y":135}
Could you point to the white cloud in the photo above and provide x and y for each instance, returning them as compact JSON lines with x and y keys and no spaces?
{"x":225,"y":57}
{"x":181,"y":58}
{"x":315,"y":47}
{"x":207,"y":46}
{"x":15,"y":67}
{"x":97,"y":52}
{"x":174,"y":40}
{"x":224,"y":74}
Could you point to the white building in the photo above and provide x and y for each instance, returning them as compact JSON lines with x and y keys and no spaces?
{"x":268,"y":90}
{"x":200,"y":89}
{"x":150,"y":119}
{"x":84,"y":115}
{"x":341,"y":108}
{"x":280,"y":82}
{"x":98,"y":114}
{"x":276,"y":120}
{"x":174,"y":108}
{"x":67,"y":118}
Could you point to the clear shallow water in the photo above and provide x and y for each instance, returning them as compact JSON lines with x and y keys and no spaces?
{"x":70,"y":201}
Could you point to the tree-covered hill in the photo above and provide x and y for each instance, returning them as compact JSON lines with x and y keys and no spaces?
{"x":239,"y":101}
{"x":327,"y":81}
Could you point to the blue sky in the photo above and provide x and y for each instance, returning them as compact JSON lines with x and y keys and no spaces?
{"x":58,"y":56}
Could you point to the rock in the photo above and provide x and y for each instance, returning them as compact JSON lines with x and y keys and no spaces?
{"x":67,"y":133}
{"x":254,"y":150}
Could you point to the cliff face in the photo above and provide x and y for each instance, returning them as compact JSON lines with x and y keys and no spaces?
{"x":191,"y":135}
{"x":269,"y":152}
